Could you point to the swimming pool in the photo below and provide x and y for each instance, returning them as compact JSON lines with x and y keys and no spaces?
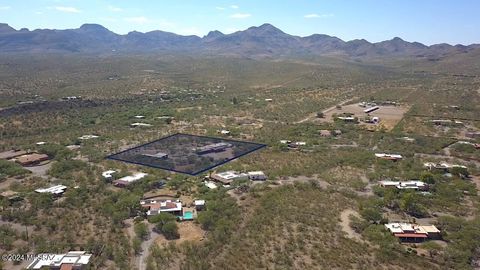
{"x":187,"y":215}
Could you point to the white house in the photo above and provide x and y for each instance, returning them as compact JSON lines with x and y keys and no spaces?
{"x":87,"y":137}
{"x":55,"y":190}
{"x":228,"y":177}
{"x":257,"y":175}
{"x":140,"y":125}
{"x":393,"y":157}
{"x":412,"y":184}
{"x":108,"y":174}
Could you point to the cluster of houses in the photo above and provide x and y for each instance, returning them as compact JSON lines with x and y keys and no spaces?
{"x":24,"y":158}
{"x":72,"y":260}
{"x":392,"y":157}
{"x":405,"y":185}
{"x":407,"y":232}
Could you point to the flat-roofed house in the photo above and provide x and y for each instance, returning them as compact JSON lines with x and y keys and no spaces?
{"x":12,"y":154}
{"x":31,"y":159}
{"x":127,"y":180}
{"x":228,"y":177}
{"x":159,"y":155}
{"x":213,"y":148}
{"x":257,"y":176}
{"x":407,"y":232}
{"x":393,"y":157}
{"x":199,"y":205}
{"x":155,"y":207}
{"x":54,"y":190}
{"x":405,"y":185}
{"x":73,"y":260}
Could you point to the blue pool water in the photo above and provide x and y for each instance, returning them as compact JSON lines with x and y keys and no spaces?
{"x":188,"y":215}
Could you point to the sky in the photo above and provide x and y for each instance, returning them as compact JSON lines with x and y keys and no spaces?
{"x":426,"y":21}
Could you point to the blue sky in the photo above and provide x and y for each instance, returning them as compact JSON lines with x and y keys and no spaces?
{"x":426,"y":21}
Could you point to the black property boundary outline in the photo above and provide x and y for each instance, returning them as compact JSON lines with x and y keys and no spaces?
{"x":258,"y":147}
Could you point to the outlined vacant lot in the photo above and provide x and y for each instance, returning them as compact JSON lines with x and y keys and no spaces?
{"x":184,"y":153}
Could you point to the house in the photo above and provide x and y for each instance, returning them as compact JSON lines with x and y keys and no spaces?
{"x":405,"y":185}
{"x":41,"y":143}
{"x":31,"y":159}
{"x":445,"y":122}
{"x":325,"y":133}
{"x":372,"y":120}
{"x":108,"y":174}
{"x":199,"y":205}
{"x":347,"y":118}
{"x":472,"y":135}
{"x":477,"y":146}
{"x":73,"y":147}
{"x":226,"y":178}
{"x":54,"y":190}
{"x":407,"y":139}
{"x":12,"y":154}
{"x":72,"y":260}
{"x":159,"y":155}
{"x":213,"y":148}
{"x":393,"y":157}
{"x":257,"y":176}
{"x":442,"y":166}
{"x":285,"y":141}
{"x":407,"y":232}
{"x":88,"y":137}
{"x":127,"y":180}
{"x":371,"y":109}
{"x":268,"y":100}
{"x":225,"y":132}
{"x":155,"y":207}
{"x":139,"y":117}
{"x":140,"y":125}
{"x":210,"y":185}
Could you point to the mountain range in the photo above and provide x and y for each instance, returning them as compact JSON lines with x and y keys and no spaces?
{"x":262,"y":41}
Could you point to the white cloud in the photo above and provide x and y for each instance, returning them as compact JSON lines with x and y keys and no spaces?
{"x":240,"y":15}
{"x":191,"y":31}
{"x":138,"y":20}
{"x":4,"y":7}
{"x":38,"y":12}
{"x":316,"y":16}
{"x":220,"y":8}
{"x":108,"y":19}
{"x":234,"y":6}
{"x":67,"y":9}
{"x":114,"y":9}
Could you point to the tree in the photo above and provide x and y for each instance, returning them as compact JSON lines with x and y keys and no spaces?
{"x":234,"y":101}
{"x":409,"y":203}
{"x":137,"y":245}
{"x":428,"y":178}
{"x":320,"y":115}
{"x":459,"y":171}
{"x":141,"y":230}
{"x":170,"y":230}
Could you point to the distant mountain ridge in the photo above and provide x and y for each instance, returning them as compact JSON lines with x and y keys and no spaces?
{"x":262,"y":41}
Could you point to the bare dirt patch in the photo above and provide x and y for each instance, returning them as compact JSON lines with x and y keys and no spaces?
{"x":345,"y":223}
{"x":189,"y":231}
{"x":389,"y":115}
